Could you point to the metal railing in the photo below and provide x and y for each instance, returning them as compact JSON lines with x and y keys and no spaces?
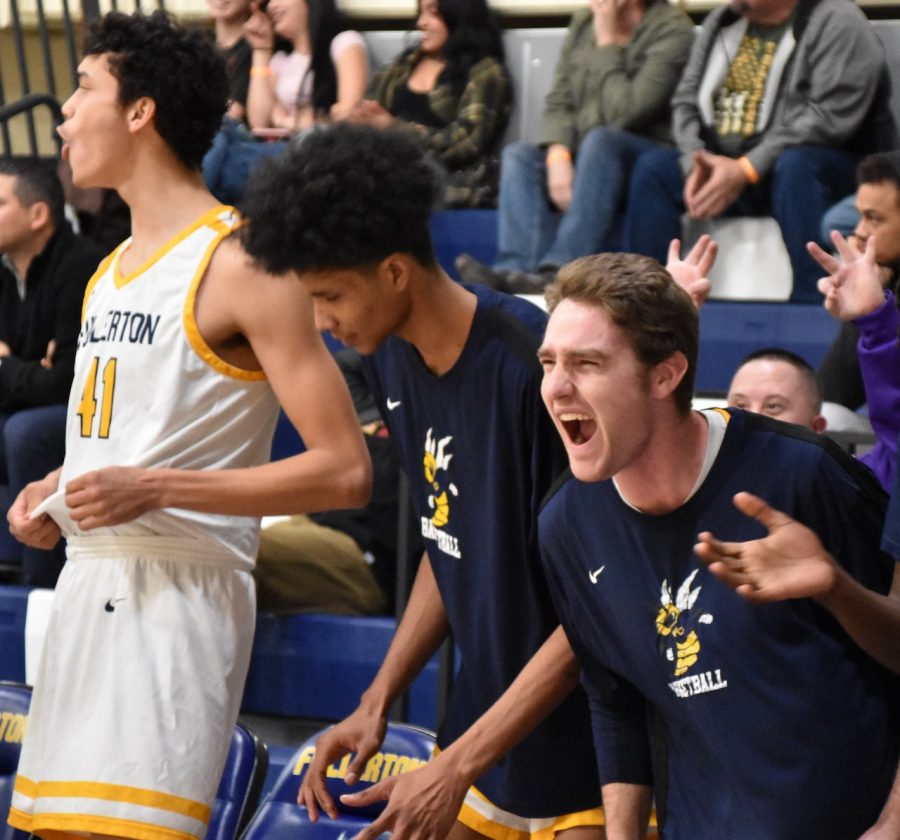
{"x":39,"y":54}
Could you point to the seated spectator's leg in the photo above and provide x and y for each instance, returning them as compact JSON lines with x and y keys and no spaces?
{"x":842,"y":217}
{"x":527,"y":222}
{"x":10,"y":547}
{"x":231,"y":158}
{"x":304,"y":566}
{"x":655,"y":204}
{"x":605,"y":159}
{"x":34,"y":442}
{"x":806,"y":181}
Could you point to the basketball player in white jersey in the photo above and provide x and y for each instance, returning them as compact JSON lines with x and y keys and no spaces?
{"x":186,"y":351}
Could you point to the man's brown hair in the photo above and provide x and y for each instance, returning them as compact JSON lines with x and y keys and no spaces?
{"x":643,"y":300}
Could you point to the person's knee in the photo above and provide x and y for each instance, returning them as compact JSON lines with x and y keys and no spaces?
{"x":597,"y":140}
{"x":805,"y":165}
{"x":654,"y":167}
{"x":35,"y":436}
{"x":517,"y":159}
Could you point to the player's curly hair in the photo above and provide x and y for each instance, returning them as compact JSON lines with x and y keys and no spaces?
{"x":343,"y":196}
{"x":641,"y":297}
{"x":177,"y":67}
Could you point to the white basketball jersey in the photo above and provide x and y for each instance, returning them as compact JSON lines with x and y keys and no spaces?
{"x":149,"y":392}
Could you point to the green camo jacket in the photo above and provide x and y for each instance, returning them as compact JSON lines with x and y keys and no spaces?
{"x":468,"y":144}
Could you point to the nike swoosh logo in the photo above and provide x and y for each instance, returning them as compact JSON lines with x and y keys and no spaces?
{"x":392,"y":404}
{"x":594,"y":575}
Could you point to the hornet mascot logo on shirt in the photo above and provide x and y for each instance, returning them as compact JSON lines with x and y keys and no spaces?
{"x":436,"y":462}
{"x":674,"y":624}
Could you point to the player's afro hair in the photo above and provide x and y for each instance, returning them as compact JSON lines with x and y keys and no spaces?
{"x":178,"y":68}
{"x":344,"y":196}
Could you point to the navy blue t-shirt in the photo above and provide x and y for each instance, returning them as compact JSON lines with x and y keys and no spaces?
{"x":480,"y":451}
{"x":778,"y":725}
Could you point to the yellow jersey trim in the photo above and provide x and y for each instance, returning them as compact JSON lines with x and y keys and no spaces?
{"x":726,"y":414}
{"x":115,"y":793}
{"x":208,"y":219}
{"x":196,"y":339}
{"x":470,"y":818}
{"x":496,"y":830}
{"x":64,"y":826}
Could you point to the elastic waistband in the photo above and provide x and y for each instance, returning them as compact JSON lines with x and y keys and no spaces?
{"x":182,"y":549}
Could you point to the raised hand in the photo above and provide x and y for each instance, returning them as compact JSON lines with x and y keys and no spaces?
{"x":854,"y":285}
{"x":788,"y":563}
{"x":691,"y":272}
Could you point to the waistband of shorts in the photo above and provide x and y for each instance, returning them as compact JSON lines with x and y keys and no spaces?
{"x":149,"y":547}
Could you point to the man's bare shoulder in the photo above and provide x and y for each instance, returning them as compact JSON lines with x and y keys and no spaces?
{"x":238,"y":288}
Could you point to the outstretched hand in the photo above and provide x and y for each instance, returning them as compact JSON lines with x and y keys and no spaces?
{"x":788,"y":563}
{"x":422,"y":804}
{"x":360,"y":733}
{"x":691,"y":272}
{"x":853,"y":286}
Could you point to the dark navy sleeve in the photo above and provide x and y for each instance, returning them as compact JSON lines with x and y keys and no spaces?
{"x":618,"y":711}
{"x":845,"y":505}
{"x":619,"y":723}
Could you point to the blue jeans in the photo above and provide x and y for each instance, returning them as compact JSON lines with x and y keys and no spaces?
{"x":804,"y":183}
{"x":34,"y":444}
{"x":231,"y":158}
{"x":843,"y":217}
{"x":532,"y":232}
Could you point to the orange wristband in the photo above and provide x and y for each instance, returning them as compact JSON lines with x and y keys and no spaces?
{"x":557,"y":154}
{"x":748,"y":169}
{"x":260,"y":72}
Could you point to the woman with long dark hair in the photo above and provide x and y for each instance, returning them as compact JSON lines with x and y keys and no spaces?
{"x":454,"y":88}
{"x":323,"y":76}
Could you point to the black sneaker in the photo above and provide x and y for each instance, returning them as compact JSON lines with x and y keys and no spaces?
{"x":529,"y":282}
{"x":471,"y":270}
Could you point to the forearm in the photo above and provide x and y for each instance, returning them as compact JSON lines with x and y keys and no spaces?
{"x":312,"y":481}
{"x":879,"y":360}
{"x":547,"y":679}
{"x":890,"y":814}
{"x":260,"y":93}
{"x":421,"y":631}
{"x":871,"y":620}
{"x":627,"y":810}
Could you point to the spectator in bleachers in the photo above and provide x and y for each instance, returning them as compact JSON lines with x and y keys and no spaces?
{"x":854,"y":292}
{"x":322,"y":77}
{"x":779,"y":384}
{"x":44,"y":268}
{"x":454,"y":88}
{"x":563,"y":198}
{"x":229,"y":17}
{"x":878,"y":201}
{"x":775,"y":103}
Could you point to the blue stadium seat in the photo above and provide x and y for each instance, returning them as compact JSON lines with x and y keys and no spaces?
{"x":456,"y":232}
{"x":15,"y":700}
{"x":239,"y":790}
{"x":404,"y":748}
